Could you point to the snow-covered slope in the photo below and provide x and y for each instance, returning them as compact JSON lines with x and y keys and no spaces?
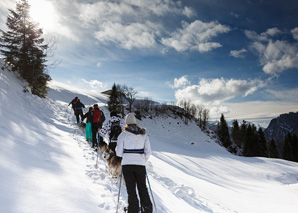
{"x":46,"y":165}
{"x":64,"y":93}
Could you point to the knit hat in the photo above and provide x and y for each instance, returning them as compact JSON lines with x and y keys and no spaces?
{"x":130,"y":119}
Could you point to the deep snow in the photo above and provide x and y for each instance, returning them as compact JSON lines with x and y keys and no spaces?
{"x":47,"y":166}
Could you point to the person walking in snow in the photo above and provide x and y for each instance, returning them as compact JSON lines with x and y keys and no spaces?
{"x":134,"y":147}
{"x":97,"y":119}
{"x":79,"y":110}
{"x":73,"y":102}
{"x":88,"y":130}
{"x":113,"y":128}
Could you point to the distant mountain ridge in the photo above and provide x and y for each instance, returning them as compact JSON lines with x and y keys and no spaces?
{"x":280,"y":126}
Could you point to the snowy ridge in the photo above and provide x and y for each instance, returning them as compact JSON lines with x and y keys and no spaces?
{"x":47,"y":166}
{"x":62,"y":92}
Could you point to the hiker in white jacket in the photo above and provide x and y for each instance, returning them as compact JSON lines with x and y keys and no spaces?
{"x":134,"y":148}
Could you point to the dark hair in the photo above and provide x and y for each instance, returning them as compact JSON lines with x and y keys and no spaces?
{"x":113,"y":113}
{"x":90,"y":108}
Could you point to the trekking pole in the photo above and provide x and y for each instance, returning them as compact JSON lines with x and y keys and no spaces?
{"x":119,"y":191}
{"x":151,"y":192}
{"x":98,"y":140}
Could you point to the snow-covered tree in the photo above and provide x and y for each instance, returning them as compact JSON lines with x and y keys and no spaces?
{"x":23,"y":48}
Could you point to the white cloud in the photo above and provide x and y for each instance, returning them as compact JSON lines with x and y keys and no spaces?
{"x":216,"y":111}
{"x":216,"y":91}
{"x":275,"y":55}
{"x":96,"y":13}
{"x":189,"y":12}
{"x":159,"y":7}
{"x":93,"y":84}
{"x":195,"y":36}
{"x":98,"y":64}
{"x":130,"y":36}
{"x":295,"y":33}
{"x":180,"y":82}
{"x":265,"y":36}
{"x":125,"y":23}
{"x":238,"y":53}
{"x":285,"y":95}
{"x":118,"y":11}
{"x":235,"y":15}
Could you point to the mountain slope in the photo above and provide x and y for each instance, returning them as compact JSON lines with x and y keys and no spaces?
{"x":46,"y":165}
{"x":279,"y":127}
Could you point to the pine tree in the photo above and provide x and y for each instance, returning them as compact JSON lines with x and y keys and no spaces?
{"x":287,"y":149}
{"x":295,"y":147}
{"x":236,"y":133}
{"x":223,"y":132}
{"x":261,"y":143}
{"x":248,"y":142}
{"x":243,"y":128}
{"x":23,"y":48}
{"x":113,"y":103}
{"x":272,"y":150}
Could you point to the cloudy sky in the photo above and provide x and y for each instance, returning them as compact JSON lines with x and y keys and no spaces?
{"x":237,"y":57}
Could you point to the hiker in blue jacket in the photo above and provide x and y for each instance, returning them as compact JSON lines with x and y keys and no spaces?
{"x":88,"y":130}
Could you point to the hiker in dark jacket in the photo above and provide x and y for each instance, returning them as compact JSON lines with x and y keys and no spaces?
{"x":73,"y":102}
{"x":97,"y":119}
{"x":134,"y":147}
{"x":112,"y":128}
{"x":88,"y":129}
{"x":79,"y":110}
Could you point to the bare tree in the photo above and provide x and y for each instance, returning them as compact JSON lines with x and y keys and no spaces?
{"x":205,"y":118}
{"x":146,"y":104}
{"x":200,"y":109}
{"x":121,"y":95}
{"x":193,"y":110}
{"x":130,"y":95}
{"x":186,"y":105}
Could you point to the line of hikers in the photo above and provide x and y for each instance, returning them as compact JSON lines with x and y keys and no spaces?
{"x":129,"y":141}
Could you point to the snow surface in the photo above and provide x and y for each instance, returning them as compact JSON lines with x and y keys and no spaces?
{"x":47,"y":166}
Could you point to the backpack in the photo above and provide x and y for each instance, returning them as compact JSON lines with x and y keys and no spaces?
{"x":74,"y":101}
{"x":96,"y":116}
{"x":115,"y":131}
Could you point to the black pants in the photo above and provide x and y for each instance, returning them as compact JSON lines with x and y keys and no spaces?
{"x":95,"y":127}
{"x":135,"y":176}
{"x":78,"y":116}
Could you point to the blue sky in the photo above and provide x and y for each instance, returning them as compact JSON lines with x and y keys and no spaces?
{"x":235,"y":57}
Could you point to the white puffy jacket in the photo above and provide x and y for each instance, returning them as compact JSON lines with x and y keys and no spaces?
{"x":133,"y":137}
